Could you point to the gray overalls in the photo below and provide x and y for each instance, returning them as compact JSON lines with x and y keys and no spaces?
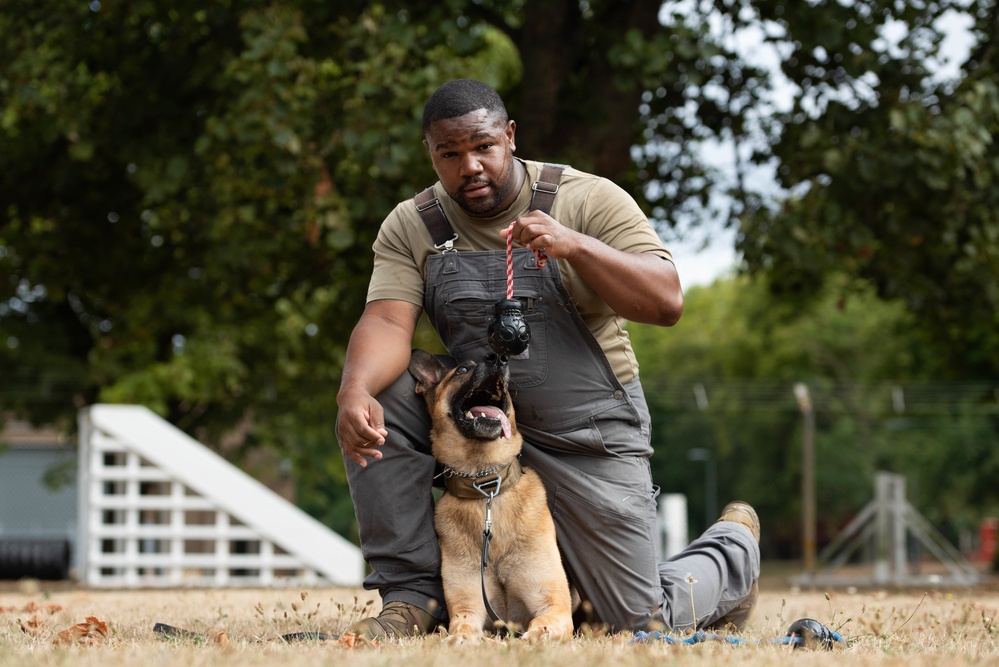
{"x":587,"y":436}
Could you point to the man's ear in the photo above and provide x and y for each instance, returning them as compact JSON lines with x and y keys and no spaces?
{"x":427,"y":369}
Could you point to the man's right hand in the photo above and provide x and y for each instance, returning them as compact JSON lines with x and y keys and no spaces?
{"x":377,"y":354}
{"x":360,"y":426}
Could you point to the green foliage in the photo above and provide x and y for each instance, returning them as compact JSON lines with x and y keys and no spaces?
{"x":190,"y":193}
{"x":723,"y":380}
{"x":892,"y":176}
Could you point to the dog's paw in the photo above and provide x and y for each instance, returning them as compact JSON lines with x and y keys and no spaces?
{"x":463,"y":631}
{"x":555,"y":630}
{"x":538,"y":635}
{"x":464,"y":638}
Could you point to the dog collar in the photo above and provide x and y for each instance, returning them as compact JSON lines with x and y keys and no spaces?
{"x":477,"y":485}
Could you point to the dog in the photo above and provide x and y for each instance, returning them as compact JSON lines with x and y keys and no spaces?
{"x":474,"y":436}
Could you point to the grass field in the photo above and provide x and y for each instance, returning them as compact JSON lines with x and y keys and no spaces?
{"x":243,"y":627}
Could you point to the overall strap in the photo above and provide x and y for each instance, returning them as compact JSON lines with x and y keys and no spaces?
{"x":545,"y":188}
{"x":430,"y":209}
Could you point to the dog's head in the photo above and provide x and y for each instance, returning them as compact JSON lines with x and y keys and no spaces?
{"x":470,"y":402}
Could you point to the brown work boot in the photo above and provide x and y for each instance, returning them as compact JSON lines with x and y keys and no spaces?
{"x":740,"y":512}
{"x":396,"y":619}
{"x":743,"y":513}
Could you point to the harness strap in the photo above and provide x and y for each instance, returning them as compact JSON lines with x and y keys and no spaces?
{"x":429,"y":206}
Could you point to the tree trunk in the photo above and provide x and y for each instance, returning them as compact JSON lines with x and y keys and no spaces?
{"x":553,"y":52}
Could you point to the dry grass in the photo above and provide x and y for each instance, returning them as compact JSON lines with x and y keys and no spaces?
{"x":910,"y":628}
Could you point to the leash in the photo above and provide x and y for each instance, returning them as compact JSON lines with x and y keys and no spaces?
{"x":539,"y":254}
{"x":172,"y":632}
{"x":490,"y":489}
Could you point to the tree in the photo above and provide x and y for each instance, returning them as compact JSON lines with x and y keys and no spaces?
{"x":190,"y":190}
{"x":891,"y":172}
{"x":190,"y":193}
{"x":723,"y":378}
{"x":886,"y":169}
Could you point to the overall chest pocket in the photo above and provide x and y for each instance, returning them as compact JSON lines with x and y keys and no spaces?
{"x":468,"y":312}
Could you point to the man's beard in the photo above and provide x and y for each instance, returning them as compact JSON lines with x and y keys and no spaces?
{"x":483,"y":207}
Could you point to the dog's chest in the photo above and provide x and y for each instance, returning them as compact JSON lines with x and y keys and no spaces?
{"x":460,"y":522}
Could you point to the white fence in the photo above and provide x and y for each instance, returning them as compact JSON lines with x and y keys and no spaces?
{"x":157,"y":508}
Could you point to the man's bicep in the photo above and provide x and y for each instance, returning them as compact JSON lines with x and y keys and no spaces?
{"x":400,"y":316}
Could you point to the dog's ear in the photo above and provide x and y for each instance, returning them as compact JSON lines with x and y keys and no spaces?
{"x":427,"y":369}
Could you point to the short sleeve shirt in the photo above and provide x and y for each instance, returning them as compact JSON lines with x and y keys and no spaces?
{"x":589,"y":204}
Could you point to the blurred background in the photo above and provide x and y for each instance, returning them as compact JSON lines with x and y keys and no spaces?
{"x":189,"y":192}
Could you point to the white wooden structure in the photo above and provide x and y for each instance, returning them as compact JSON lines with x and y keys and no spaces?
{"x":672,"y":512}
{"x":157,"y":508}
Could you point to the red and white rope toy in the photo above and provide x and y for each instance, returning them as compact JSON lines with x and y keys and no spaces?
{"x":540,"y":254}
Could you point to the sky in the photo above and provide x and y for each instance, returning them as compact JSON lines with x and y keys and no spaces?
{"x":704,"y":254}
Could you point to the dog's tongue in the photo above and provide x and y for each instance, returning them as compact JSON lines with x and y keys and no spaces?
{"x":492,"y":412}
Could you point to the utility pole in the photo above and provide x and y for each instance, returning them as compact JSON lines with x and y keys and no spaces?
{"x":807,"y":476}
{"x":710,"y":482}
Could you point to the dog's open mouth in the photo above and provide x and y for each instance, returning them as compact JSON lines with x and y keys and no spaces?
{"x":482,"y":415}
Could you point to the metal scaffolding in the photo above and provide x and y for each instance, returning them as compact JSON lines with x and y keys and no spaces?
{"x":883,"y":526}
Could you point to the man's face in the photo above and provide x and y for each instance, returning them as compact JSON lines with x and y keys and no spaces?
{"x":473,"y":157}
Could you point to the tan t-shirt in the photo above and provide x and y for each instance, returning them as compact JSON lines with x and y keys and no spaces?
{"x":585,"y":203}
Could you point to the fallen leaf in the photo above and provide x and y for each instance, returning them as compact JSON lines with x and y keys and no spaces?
{"x":31,"y":608}
{"x":222,"y":639}
{"x":90,"y":632}
{"x":353,"y":640}
{"x":33,"y":626}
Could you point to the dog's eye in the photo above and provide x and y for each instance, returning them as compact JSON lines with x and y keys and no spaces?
{"x":461,"y":370}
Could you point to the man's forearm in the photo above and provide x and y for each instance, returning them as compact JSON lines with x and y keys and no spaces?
{"x":642,"y":288}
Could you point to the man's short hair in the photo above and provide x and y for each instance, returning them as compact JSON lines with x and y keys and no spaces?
{"x":459,"y":97}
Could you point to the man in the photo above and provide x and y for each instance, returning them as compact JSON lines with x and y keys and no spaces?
{"x":579,"y":402}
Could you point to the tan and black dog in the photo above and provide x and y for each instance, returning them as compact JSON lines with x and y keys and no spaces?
{"x":475,"y":438}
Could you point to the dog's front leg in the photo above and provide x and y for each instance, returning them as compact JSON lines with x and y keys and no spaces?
{"x":463,"y":593}
{"x":553,"y":621}
{"x":548,"y":601}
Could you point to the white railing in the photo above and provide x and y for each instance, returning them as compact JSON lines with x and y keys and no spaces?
{"x":157,"y":508}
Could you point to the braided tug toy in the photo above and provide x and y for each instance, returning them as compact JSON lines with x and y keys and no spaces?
{"x":805,"y":632}
{"x":508,"y":333}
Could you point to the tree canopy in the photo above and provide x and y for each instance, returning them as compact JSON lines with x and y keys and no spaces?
{"x":189,"y":190}
{"x":891,"y":173}
{"x":723,"y":382}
